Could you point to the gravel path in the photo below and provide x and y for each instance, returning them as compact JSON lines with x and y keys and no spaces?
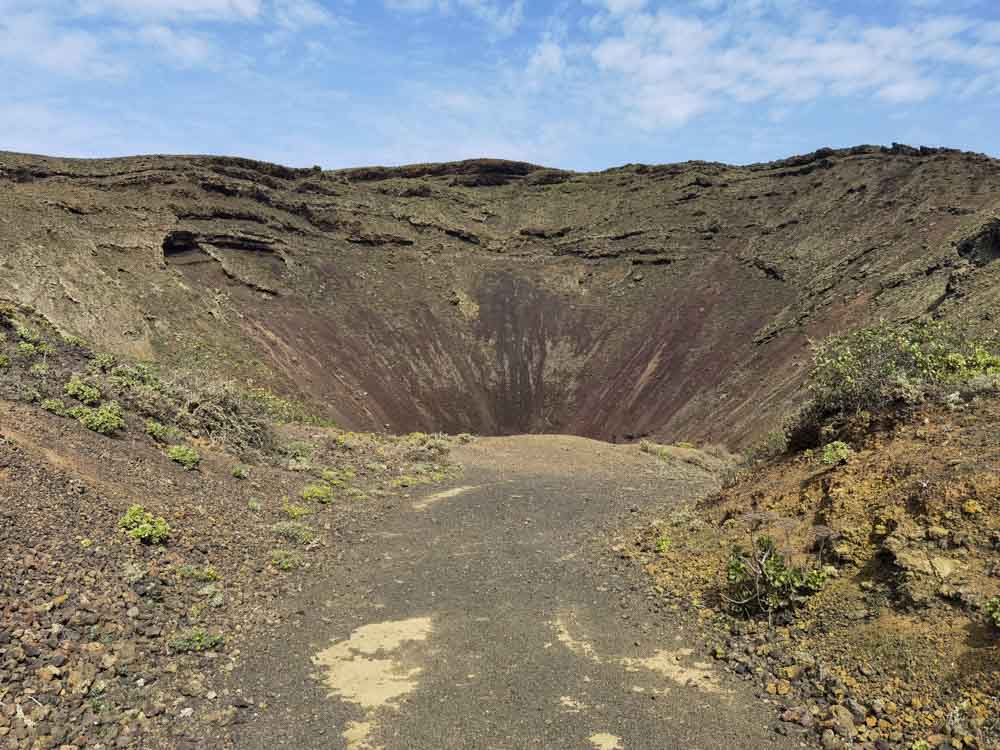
{"x":488,"y":614}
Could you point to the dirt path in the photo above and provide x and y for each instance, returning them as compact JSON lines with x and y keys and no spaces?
{"x":485,"y":615}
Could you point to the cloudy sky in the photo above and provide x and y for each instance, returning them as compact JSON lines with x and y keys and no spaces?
{"x":582,"y":84}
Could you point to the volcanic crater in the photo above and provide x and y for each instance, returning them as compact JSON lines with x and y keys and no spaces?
{"x":498,"y":297}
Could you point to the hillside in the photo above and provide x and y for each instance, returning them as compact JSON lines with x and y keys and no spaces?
{"x":494,"y":297}
{"x":265,"y":479}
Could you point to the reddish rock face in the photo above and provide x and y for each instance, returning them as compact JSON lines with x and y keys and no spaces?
{"x":497,"y":297}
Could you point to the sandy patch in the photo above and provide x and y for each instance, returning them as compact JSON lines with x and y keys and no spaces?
{"x":605,"y":741}
{"x":676,"y":666}
{"x":671,"y":665}
{"x":577,"y":646}
{"x":426,"y":502}
{"x":368,"y":670}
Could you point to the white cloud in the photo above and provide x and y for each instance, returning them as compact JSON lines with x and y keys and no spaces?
{"x":298,"y":14}
{"x":33,"y":39}
{"x":172,"y":9}
{"x":915,"y":90}
{"x":666,"y":67}
{"x":548,"y":59}
{"x":414,"y":5}
{"x":624,"y":6}
{"x":502,"y":18}
{"x":182,"y":49}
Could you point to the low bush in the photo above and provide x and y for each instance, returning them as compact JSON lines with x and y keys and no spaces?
{"x":760,"y":580}
{"x":294,"y":510}
{"x":195,"y":641}
{"x":27,"y":334}
{"x":993,"y":611}
{"x":4,"y":361}
{"x":837,"y":452}
{"x":103,"y":362}
{"x":54,"y":405}
{"x":184,"y":455}
{"x":27,"y":350}
{"x":141,"y":525}
{"x":338,"y":476}
{"x":83,"y":392}
{"x":203,"y":575}
{"x":424,"y":447}
{"x":240,"y":471}
{"x":126,"y":376}
{"x":879,"y":366}
{"x":294,"y":531}
{"x":160,"y":432}
{"x":220,"y":411}
{"x":73,"y":341}
{"x":285,"y":560}
{"x":320,"y":493}
{"x":106,"y":419}
{"x":653,"y":449}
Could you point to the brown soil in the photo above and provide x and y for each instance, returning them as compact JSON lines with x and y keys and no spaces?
{"x":89,"y":619}
{"x":911,"y":526}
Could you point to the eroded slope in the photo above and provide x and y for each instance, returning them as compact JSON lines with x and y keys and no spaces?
{"x":498,"y":297}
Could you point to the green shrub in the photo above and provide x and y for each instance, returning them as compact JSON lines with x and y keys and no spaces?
{"x":39,"y":369}
{"x":663,"y":545}
{"x":293,"y":510}
{"x":140,"y":525}
{"x":837,"y":452}
{"x":103,"y":362}
{"x":4,"y":361}
{"x":321,"y":493}
{"x":240,"y":471}
{"x":107,"y":419}
{"x":993,"y":610}
{"x":285,"y":560}
{"x":54,"y":405}
{"x":185,"y":455}
{"x":27,"y":350}
{"x":283,"y":410}
{"x":207,"y":574}
{"x":300,"y":450}
{"x":128,"y":376}
{"x":337,"y":477}
{"x":888,"y":363}
{"x":772,"y":445}
{"x":83,"y":392}
{"x":159,"y":431}
{"x":653,"y":449}
{"x":760,"y":581}
{"x":195,"y":641}
{"x":294,"y":531}
{"x":27,"y":334}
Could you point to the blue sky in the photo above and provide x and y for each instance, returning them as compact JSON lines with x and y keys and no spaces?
{"x":579,"y":84}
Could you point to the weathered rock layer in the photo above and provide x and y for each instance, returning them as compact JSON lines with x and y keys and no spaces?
{"x":499,"y":297}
